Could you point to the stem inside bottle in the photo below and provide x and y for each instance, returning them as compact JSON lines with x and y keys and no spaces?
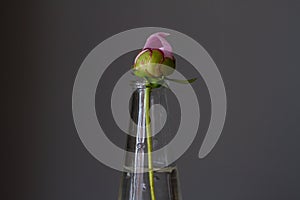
{"x":147,"y":177}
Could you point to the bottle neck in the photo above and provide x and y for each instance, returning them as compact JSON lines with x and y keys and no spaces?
{"x":152,"y":102}
{"x":148,"y":175}
{"x":148,"y":130}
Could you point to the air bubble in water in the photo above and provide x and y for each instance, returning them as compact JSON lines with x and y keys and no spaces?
{"x":140,"y":145}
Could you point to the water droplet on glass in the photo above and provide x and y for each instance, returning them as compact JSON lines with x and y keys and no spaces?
{"x":144,"y":187}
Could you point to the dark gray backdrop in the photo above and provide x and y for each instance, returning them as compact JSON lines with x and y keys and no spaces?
{"x":255,"y":45}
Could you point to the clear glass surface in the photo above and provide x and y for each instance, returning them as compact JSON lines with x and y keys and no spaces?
{"x":137,"y":183}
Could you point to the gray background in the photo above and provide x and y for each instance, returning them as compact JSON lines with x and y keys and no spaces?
{"x":255,"y":45}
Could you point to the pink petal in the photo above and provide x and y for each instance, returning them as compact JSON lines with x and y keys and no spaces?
{"x":158,"y":41}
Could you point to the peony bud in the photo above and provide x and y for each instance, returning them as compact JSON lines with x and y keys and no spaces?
{"x":156,"y":60}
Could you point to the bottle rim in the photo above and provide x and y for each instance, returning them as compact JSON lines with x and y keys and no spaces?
{"x":139,"y":84}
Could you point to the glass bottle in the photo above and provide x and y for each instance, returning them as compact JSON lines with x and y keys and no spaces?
{"x":147,"y":176}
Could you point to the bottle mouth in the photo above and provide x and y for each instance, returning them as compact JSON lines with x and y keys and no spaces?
{"x":143,"y":84}
{"x":139,"y":84}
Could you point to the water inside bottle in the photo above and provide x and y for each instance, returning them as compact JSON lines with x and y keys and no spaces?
{"x":135,"y":186}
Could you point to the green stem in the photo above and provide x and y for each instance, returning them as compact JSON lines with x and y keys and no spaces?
{"x":149,"y":142}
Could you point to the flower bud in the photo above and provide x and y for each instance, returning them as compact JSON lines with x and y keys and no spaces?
{"x":156,"y":59}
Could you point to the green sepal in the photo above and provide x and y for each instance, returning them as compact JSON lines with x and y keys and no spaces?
{"x":168,"y":66}
{"x":156,"y":56}
{"x":139,"y":73}
{"x":143,"y":59}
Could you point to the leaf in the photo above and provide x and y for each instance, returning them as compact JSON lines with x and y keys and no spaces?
{"x":182,"y":81}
